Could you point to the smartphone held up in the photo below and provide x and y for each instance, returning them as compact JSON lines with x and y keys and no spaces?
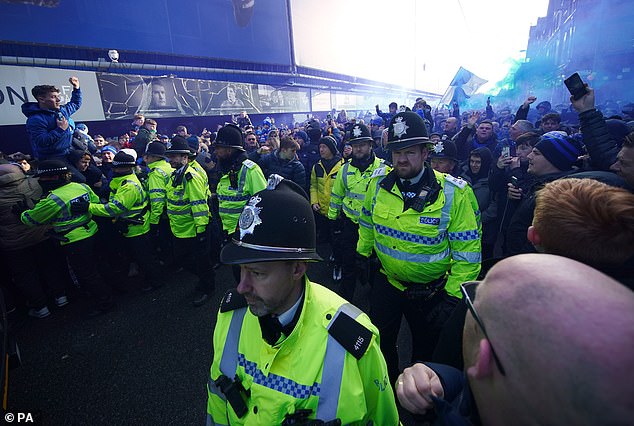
{"x":576,"y":86}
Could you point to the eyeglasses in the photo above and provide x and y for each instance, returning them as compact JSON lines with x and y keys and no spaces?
{"x":469,"y":292}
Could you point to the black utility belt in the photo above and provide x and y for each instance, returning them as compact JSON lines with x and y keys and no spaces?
{"x":423,"y":292}
{"x":439,"y":282}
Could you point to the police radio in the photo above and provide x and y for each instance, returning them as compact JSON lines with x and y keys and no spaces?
{"x":421,"y":199}
{"x":235,"y":393}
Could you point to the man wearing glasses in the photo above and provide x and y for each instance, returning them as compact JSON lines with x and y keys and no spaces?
{"x":547,"y":340}
{"x":251,"y":142}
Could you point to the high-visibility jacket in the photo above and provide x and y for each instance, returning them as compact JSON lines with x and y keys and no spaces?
{"x":55,"y":210}
{"x":128,"y":201}
{"x":187,"y":207}
{"x":233,"y":199}
{"x":420,"y":247}
{"x":309,"y":369}
{"x":349,"y":190}
{"x":321,"y":183}
{"x":157,"y":180}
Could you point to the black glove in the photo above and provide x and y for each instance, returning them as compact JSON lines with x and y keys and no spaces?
{"x":19,"y":208}
{"x":79,"y":207}
{"x":362,"y":266}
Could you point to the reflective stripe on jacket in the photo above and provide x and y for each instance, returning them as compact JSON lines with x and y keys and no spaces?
{"x":55,"y":210}
{"x":232,"y":200}
{"x":307,"y":370}
{"x":419,"y":247}
{"x":187,"y":207}
{"x":348,"y":191}
{"x":157,"y":181}
{"x":128,"y":200}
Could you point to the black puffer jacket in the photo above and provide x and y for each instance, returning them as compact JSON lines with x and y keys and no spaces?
{"x":599,"y":143}
{"x":288,"y":169}
{"x":516,"y":240}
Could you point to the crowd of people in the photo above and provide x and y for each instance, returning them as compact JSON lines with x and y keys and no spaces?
{"x":417,"y":206}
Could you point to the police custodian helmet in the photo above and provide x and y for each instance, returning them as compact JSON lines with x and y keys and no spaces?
{"x":276,"y":224}
{"x":406,"y":129}
{"x":229,"y":136}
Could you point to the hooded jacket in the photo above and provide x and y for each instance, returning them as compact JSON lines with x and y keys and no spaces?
{"x":14,"y":235}
{"x":48,"y":140}
{"x":289,"y":169}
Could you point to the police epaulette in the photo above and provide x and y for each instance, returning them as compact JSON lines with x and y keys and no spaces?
{"x":350,"y":334}
{"x":456,"y":181}
{"x":381,"y":171}
{"x":189,"y":176}
{"x":232,"y":300}
{"x":250,"y":164}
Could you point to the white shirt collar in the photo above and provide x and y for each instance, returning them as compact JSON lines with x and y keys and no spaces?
{"x":415,"y":179}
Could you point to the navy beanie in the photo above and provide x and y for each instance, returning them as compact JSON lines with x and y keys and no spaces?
{"x":559,"y":149}
{"x":302,"y":135}
{"x":193,"y":142}
{"x":331,"y":143}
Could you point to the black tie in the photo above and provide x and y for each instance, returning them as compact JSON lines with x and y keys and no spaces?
{"x":271,"y":328}
{"x":407,"y":187}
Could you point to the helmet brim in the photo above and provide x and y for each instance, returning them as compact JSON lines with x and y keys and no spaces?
{"x":406,"y":143}
{"x":235,"y":254}
{"x":360,"y":140}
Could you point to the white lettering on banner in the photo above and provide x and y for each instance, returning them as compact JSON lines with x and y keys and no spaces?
{"x":17,"y":82}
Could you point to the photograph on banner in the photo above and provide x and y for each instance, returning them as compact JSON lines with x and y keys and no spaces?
{"x":123,"y":96}
{"x":276,"y":99}
{"x":232,"y":98}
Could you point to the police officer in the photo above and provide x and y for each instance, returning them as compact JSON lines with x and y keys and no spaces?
{"x":188,"y":212}
{"x":157,"y":181}
{"x":421,"y":226}
{"x":240,"y":177}
{"x":347,"y":194}
{"x":75,"y":232}
{"x":128,"y":206}
{"x":287,"y":350}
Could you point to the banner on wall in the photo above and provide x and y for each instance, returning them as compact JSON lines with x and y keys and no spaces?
{"x":16,"y":84}
{"x":124,"y":96}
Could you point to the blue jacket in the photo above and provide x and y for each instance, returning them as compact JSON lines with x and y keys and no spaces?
{"x":48,"y":140}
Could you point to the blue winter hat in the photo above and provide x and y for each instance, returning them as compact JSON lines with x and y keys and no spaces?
{"x":302,"y":135}
{"x":82,"y":127}
{"x":193,"y":143}
{"x":109,"y":148}
{"x":559,"y":149}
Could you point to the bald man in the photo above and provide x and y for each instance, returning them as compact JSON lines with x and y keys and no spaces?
{"x":562,"y":334}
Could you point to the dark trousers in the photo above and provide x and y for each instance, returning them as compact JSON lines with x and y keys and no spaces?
{"x":142,"y":250}
{"x":345,"y":237}
{"x":163,"y":241}
{"x":195,"y":257}
{"x":425,"y":318}
{"x":38,"y":271}
{"x":81,"y":258}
